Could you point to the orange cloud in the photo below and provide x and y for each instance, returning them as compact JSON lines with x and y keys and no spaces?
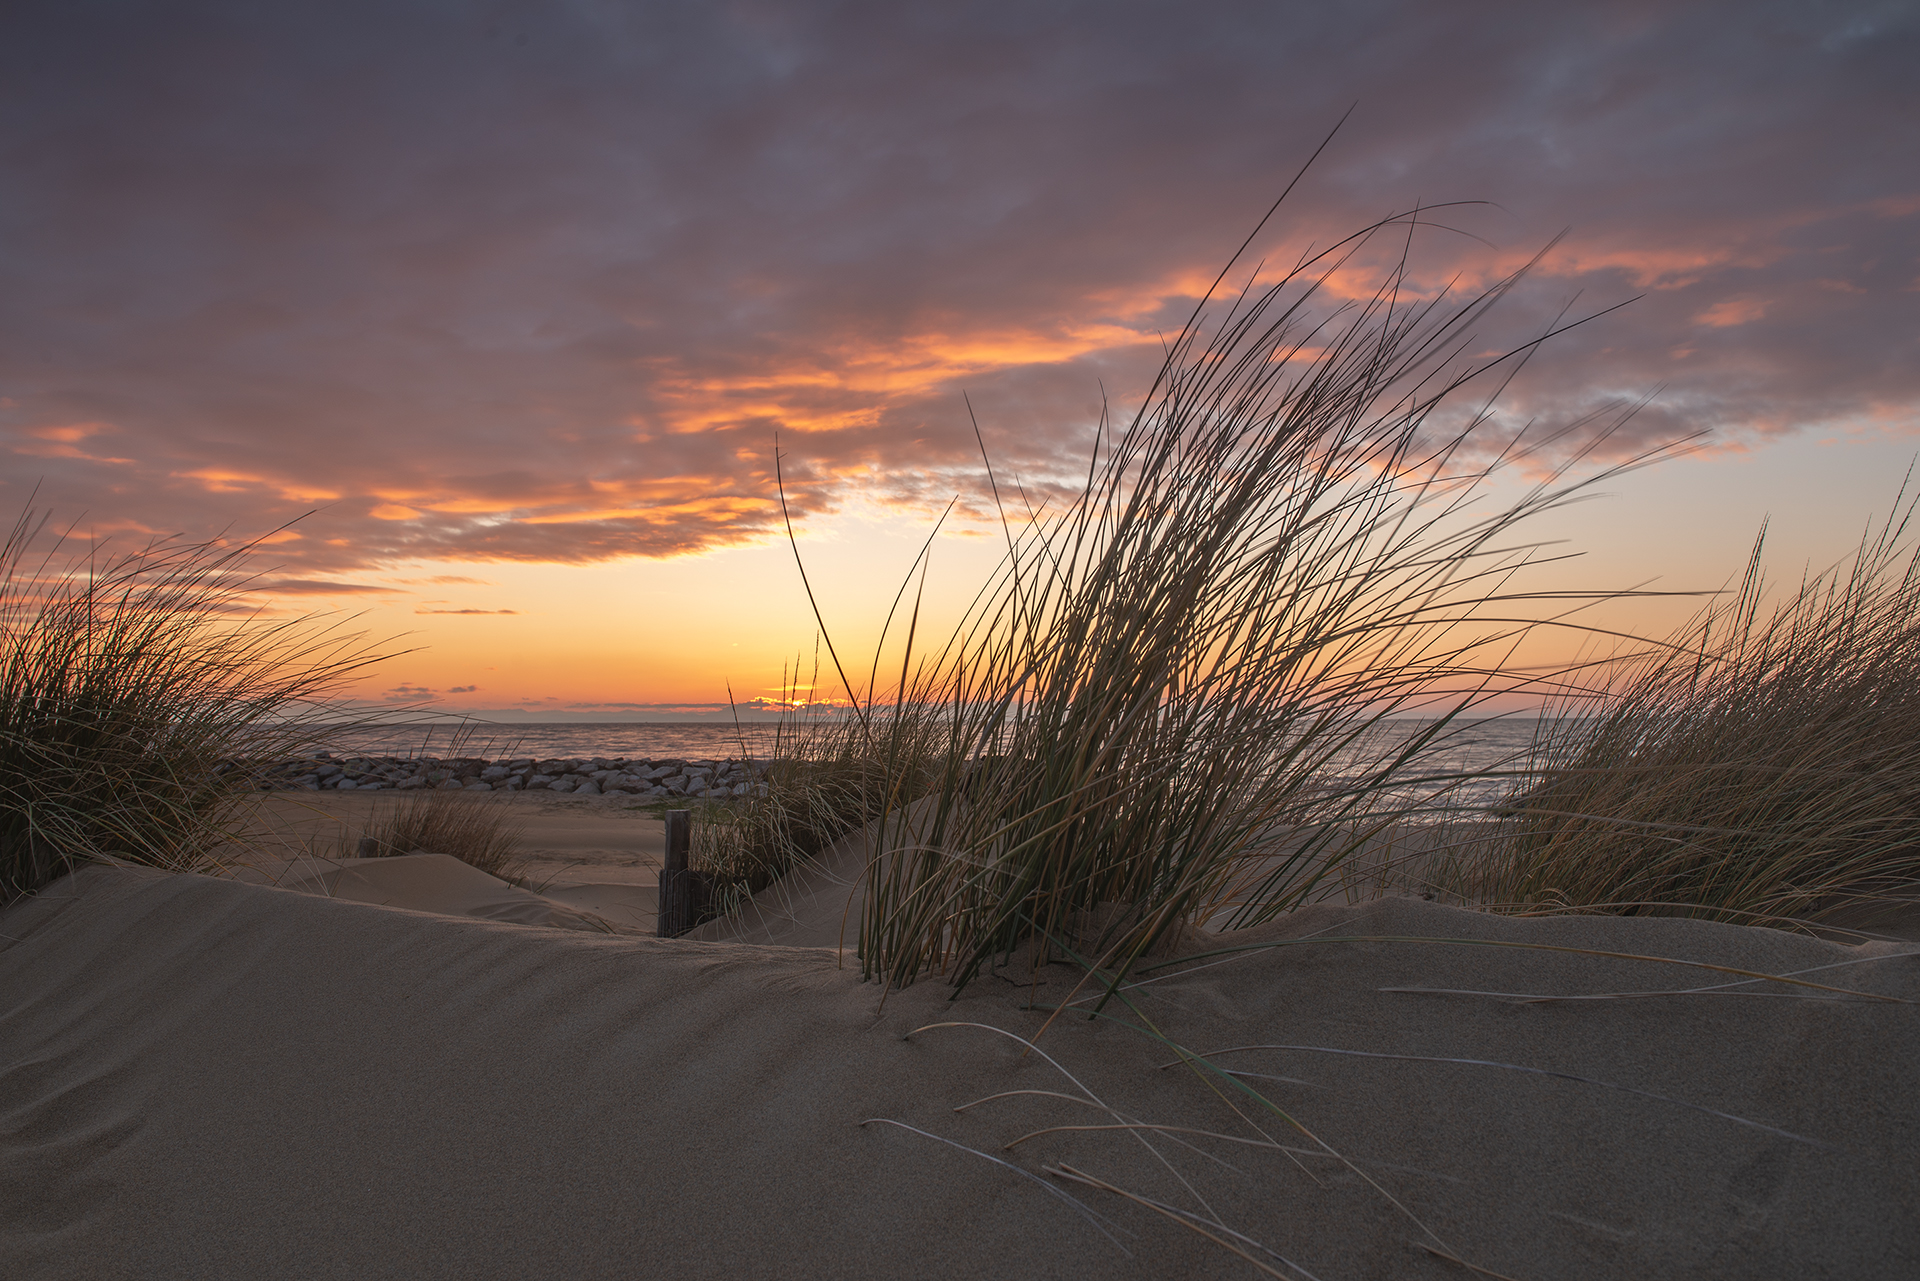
{"x":222,"y":480}
{"x":69,"y":432}
{"x":319,"y":587}
{"x":1734,"y":311}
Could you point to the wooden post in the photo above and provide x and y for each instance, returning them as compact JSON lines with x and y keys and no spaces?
{"x":676,"y":883}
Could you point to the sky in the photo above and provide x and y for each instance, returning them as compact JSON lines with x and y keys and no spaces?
{"x":487,"y":316}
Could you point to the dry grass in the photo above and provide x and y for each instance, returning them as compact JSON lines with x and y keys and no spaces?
{"x":482,"y":834}
{"x":1762,"y":767}
{"x":820,"y":782}
{"x":1170,"y":704}
{"x":136,"y":691}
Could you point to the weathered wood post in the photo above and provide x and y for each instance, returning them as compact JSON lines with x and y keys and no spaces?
{"x":676,"y":883}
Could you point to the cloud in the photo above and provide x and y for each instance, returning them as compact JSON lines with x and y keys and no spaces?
{"x":318,"y":587}
{"x":546,"y":285}
{"x":1735,"y":311}
{"x":406,"y":692}
{"x":466,"y":611}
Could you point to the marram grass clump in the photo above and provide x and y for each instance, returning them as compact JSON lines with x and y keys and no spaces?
{"x":1174,"y":703}
{"x":477,"y":832}
{"x":136,"y":693}
{"x":1761,"y":767}
{"x":820,"y":782}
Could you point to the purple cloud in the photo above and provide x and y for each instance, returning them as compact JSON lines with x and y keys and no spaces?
{"x":543,"y":284}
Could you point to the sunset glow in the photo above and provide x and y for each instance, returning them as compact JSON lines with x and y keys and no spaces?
{"x":492,"y":326}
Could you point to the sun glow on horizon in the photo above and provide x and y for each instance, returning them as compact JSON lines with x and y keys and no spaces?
{"x":680,"y":631}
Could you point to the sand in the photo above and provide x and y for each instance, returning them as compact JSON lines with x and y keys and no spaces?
{"x":585,"y":856}
{"x":205,"y":1077}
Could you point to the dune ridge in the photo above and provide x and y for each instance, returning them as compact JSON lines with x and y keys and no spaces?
{"x":206,"y":1078}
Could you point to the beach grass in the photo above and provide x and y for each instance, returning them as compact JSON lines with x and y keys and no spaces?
{"x":1759,"y":767}
{"x":1171,"y":704}
{"x":137,"y":691}
{"x":820,"y":781}
{"x":437,"y":822}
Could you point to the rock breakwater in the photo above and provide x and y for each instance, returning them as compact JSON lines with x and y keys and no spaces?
{"x":645,"y":780}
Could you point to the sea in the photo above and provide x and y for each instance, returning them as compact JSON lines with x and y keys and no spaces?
{"x":635,"y":740}
{"x":1468,"y":747}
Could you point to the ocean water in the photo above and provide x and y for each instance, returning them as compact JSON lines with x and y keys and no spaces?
{"x":1468,"y":747}
{"x":650,"y":740}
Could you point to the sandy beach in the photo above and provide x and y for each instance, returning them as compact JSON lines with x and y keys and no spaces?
{"x":595,"y":854}
{"x":209,"y":1077}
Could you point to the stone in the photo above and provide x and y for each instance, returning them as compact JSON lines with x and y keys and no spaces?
{"x":494,"y":773}
{"x":478,"y":786}
{"x":450,"y":785}
{"x":586,"y":787}
{"x":565,"y":783}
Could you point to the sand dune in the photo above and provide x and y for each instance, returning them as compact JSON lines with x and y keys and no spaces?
{"x":423,"y":882}
{"x":597,"y":839}
{"x":210,"y":1078}
{"x":582,"y":857}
